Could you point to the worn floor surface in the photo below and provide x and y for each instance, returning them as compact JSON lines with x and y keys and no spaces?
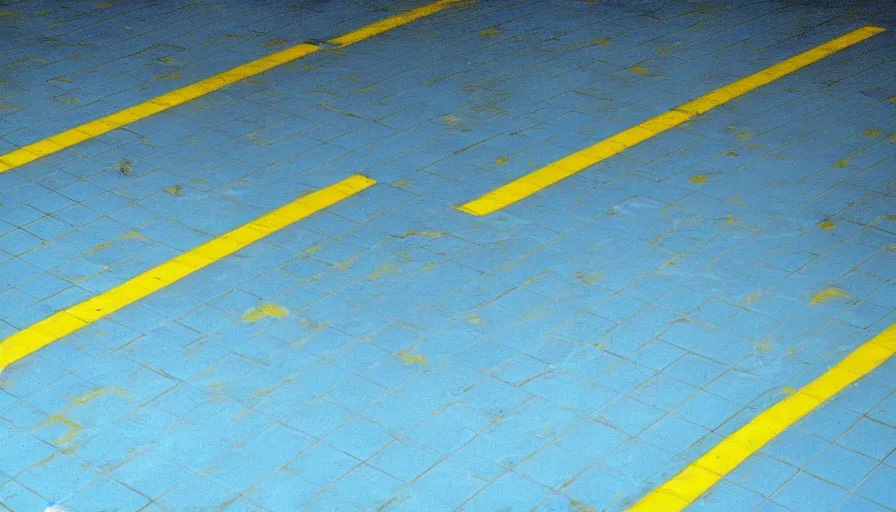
{"x":572,"y":351}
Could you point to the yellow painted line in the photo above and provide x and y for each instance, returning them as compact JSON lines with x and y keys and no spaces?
{"x":703,"y":473}
{"x":102,"y":125}
{"x":552,"y":173}
{"x":70,"y":320}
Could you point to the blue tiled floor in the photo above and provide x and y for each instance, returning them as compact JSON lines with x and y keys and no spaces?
{"x":570,"y":352}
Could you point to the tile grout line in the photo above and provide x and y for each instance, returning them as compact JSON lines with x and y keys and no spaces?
{"x":546,"y":176}
{"x":699,"y":476}
{"x":71,"y":319}
{"x":81,"y":133}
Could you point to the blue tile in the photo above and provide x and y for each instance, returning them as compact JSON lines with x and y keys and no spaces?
{"x":795,"y":447}
{"x":451,"y":483}
{"x":510,"y":491}
{"x":840,"y":466}
{"x":366,"y":487}
{"x":18,"y":242}
{"x":359,"y":437}
{"x":870,"y":438}
{"x":656,"y":354}
{"x":405,"y":459}
{"x":18,"y":497}
{"x":879,"y":486}
{"x":663,"y":392}
{"x":804,"y":492}
{"x":857,"y":503}
{"x":725,"y":496}
{"x":151,"y":473}
{"x":762,"y":474}
{"x":270,"y":493}
{"x":707,"y":410}
{"x":23,"y":452}
{"x":673,"y":433}
{"x":110,"y":493}
{"x":58,"y":478}
{"x":601,"y":489}
{"x":196,"y":492}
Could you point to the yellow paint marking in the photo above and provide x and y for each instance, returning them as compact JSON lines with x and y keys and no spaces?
{"x":703,"y":473}
{"x":176,"y":97}
{"x":389,"y":23}
{"x":74,"y":428}
{"x":700,"y":178}
{"x":264,"y":311}
{"x":552,"y":173}
{"x":70,"y":320}
{"x":827,"y":295}
{"x":826,"y":224}
{"x":413,"y":358}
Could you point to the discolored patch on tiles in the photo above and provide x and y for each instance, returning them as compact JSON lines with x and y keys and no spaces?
{"x":413,"y":359}
{"x":266,"y":310}
{"x":828,"y":295}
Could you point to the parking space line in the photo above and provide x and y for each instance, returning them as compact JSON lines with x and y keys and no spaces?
{"x":527,"y":185}
{"x":70,"y":320}
{"x":158,"y":104}
{"x":685,"y":487}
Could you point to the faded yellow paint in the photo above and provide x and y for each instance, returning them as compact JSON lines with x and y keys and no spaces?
{"x":828,"y":295}
{"x":132,"y":235}
{"x":872,"y":132}
{"x":763,"y":346}
{"x":742,"y":135}
{"x":97,"y":248}
{"x":502,"y":160}
{"x":841,"y":163}
{"x":174,"y":75}
{"x":752,"y":297}
{"x":69,"y":320}
{"x":60,"y":418}
{"x":641,"y":70}
{"x":589,"y":278}
{"x":53,"y":419}
{"x":175,"y":191}
{"x":826,"y":224}
{"x":528,"y":184}
{"x":413,"y":358}
{"x":700,"y":178}
{"x":489,"y":32}
{"x":264,"y":311}
{"x":280,"y":41}
{"x":578,"y":506}
{"x":91,"y":395}
{"x":431,"y":234}
{"x":313,"y":249}
{"x":388,"y":268}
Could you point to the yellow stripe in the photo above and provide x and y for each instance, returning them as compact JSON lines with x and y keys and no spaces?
{"x":552,"y":173}
{"x":102,"y":125}
{"x":389,"y":23}
{"x":70,"y":320}
{"x":703,"y":473}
